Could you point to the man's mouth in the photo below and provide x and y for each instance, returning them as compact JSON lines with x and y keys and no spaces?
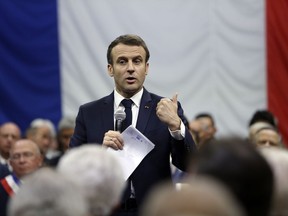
{"x":130,"y":79}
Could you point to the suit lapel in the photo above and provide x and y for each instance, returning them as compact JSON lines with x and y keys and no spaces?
{"x":146,"y":107}
{"x":108,"y":113}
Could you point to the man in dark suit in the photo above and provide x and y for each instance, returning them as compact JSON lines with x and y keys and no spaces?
{"x":161,"y":120}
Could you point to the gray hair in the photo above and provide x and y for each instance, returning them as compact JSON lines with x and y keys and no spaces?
{"x":39,"y":122}
{"x":66,"y":122}
{"x":47,"y":193}
{"x":98,"y":172}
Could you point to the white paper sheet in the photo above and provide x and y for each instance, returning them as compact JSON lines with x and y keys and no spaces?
{"x":136,"y":147}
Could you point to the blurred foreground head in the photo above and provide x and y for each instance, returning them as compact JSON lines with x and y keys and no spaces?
{"x":198,"y":197}
{"x":98,"y":173}
{"x":239,"y":166}
{"x":47,"y":193}
{"x":278,"y":160}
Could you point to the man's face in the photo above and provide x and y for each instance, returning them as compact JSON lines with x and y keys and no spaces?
{"x":24,"y":157}
{"x":129,"y":69}
{"x":9,"y":134}
{"x":267,"y":137}
{"x":43,"y":138}
{"x":64,"y":137}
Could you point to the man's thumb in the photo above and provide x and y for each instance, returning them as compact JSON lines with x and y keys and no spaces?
{"x":174,"y":98}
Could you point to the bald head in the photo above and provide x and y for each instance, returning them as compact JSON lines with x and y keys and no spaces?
{"x":25,"y":157}
{"x":198,"y":196}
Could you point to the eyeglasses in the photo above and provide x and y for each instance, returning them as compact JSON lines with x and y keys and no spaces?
{"x":25,"y":155}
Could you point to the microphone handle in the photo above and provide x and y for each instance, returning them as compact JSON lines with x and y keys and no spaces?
{"x":118,"y":125}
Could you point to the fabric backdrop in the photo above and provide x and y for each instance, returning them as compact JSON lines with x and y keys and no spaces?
{"x":212,"y":53}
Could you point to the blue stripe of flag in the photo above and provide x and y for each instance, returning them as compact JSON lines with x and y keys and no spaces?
{"x":29,"y":61}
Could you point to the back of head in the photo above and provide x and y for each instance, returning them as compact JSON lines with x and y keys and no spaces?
{"x":198,"y":197}
{"x":238,"y":165}
{"x":278,"y":160}
{"x":47,"y":193}
{"x":98,"y":172}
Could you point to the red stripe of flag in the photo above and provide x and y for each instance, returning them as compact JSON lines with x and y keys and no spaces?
{"x":277,"y":62}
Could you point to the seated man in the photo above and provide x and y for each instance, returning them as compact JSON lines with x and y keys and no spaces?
{"x":203,"y":128}
{"x":267,"y":137}
{"x":9,"y":134}
{"x":48,"y":193}
{"x":25,"y":158}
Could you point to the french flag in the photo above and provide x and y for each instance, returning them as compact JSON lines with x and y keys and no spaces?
{"x":229,"y":58}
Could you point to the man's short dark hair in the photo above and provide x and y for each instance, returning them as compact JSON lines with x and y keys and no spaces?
{"x":128,"y":39}
{"x":263,"y":116}
{"x":205,"y":115}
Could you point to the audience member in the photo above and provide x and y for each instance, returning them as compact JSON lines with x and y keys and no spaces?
{"x":98,"y":173}
{"x":256,"y":127}
{"x":267,"y":136}
{"x":48,"y":193}
{"x":9,"y":134}
{"x":203,"y":128}
{"x":161,"y":120}
{"x":42,"y":132}
{"x":65,"y":131}
{"x":202,"y":196}
{"x":278,"y":160}
{"x":239,"y":166}
{"x":25,"y":158}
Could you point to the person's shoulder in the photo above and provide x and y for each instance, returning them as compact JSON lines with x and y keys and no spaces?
{"x":4,"y":171}
{"x":97,"y":102}
{"x":151,"y":95}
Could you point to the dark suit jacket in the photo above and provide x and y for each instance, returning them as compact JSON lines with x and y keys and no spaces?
{"x":96,"y":118}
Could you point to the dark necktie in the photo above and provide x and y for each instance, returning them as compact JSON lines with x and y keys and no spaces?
{"x":127,"y":103}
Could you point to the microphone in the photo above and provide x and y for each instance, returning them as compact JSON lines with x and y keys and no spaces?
{"x":119,"y":115}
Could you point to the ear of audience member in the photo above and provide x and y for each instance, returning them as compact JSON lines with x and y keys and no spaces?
{"x":239,"y":166}
{"x":278,"y":160}
{"x":200,"y":196}
{"x":99,"y":174}
{"x":48,"y":193}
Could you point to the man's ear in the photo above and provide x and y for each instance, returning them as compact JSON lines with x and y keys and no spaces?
{"x":147,"y":68}
{"x":110,"y":70}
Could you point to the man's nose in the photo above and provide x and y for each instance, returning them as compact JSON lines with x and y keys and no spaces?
{"x":131,"y":67}
{"x":267,"y":144}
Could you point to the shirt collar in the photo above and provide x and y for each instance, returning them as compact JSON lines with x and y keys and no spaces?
{"x":135,"y":98}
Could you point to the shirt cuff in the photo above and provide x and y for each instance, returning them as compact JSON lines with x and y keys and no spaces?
{"x":178,"y":134}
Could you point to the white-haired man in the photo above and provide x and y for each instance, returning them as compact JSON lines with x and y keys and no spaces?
{"x":99,"y":174}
